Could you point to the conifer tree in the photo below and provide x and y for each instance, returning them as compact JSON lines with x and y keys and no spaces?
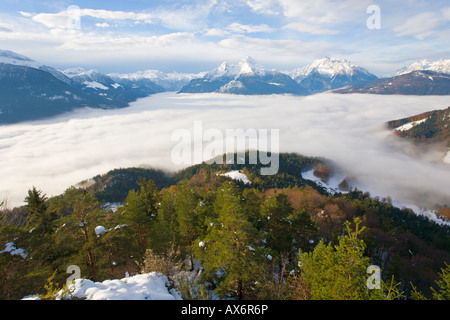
{"x":165,"y":229}
{"x":186,"y":203}
{"x":337,"y":272}
{"x":275,"y":213}
{"x":228,"y":252}
{"x":443,"y":291}
{"x":40,"y":219}
{"x":139,"y":212}
{"x":83,"y":213}
{"x":187,"y":215}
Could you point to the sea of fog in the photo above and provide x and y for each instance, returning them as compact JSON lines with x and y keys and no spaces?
{"x":348,"y":129}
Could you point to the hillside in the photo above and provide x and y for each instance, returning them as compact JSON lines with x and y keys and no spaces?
{"x":32,"y":91}
{"x":166,"y":226}
{"x":414,"y":83}
{"x":430,"y":128}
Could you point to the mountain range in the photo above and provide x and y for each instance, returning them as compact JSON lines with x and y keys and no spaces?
{"x":247,"y":77}
{"x":330,"y":73}
{"x":425,"y":82}
{"x":440,"y":66}
{"x":31,"y":90}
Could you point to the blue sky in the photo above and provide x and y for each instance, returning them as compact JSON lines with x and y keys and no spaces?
{"x":194,"y":36}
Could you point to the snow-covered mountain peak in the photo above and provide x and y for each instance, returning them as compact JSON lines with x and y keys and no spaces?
{"x":16,"y":59}
{"x":247,"y":66}
{"x":9,"y":57}
{"x":440,"y":66}
{"x":329,"y":68}
{"x":73,"y":72}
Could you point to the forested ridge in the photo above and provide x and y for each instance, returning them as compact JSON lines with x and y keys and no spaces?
{"x":434,"y":127}
{"x":280,"y":237}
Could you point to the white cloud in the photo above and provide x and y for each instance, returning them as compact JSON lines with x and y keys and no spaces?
{"x":103,"y":25}
{"x":26,"y":14}
{"x":215,"y":32}
{"x":52,"y":20}
{"x":186,"y":17}
{"x":116,"y":15}
{"x":237,"y":29}
{"x":278,"y":51}
{"x":61,"y":19}
{"x":269,"y":7}
{"x":240,"y":28}
{"x":420,"y":26}
{"x":310,"y":28}
{"x":330,"y":12}
{"x":446,"y":13}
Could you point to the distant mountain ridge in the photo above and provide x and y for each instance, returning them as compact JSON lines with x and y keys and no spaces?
{"x":440,"y":66}
{"x":173,"y":81}
{"x":330,"y":73}
{"x":30,"y":90}
{"x":246,"y":77}
{"x":414,"y":83}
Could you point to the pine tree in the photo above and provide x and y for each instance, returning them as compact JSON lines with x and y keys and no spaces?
{"x":165,"y":229}
{"x":186,"y":204}
{"x":187,"y":216}
{"x":443,"y":293}
{"x":228,"y":252}
{"x":83,"y":215}
{"x":139,"y":213}
{"x":40,"y":219}
{"x":275,"y":213}
{"x":337,"y":272}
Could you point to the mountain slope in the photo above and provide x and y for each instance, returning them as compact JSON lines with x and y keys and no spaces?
{"x":108,"y":90}
{"x":426,"y":128}
{"x":29,"y":94}
{"x":247,"y":78}
{"x":167,"y":81}
{"x":414,"y":83}
{"x":30,"y":90}
{"x":440,"y":66}
{"x":13,"y":58}
{"x":330,"y":73}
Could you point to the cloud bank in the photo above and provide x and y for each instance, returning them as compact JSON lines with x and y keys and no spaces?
{"x":348,"y":129}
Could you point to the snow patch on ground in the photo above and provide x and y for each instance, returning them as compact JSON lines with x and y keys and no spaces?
{"x":11,"y":248}
{"x":410,"y":125}
{"x":149,"y":286}
{"x":99,"y":230}
{"x":237,"y":175}
{"x":95,"y":85}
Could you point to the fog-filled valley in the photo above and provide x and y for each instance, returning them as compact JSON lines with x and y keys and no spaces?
{"x":349,"y":130}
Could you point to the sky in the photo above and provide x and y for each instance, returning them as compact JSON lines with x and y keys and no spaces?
{"x":194,"y":36}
